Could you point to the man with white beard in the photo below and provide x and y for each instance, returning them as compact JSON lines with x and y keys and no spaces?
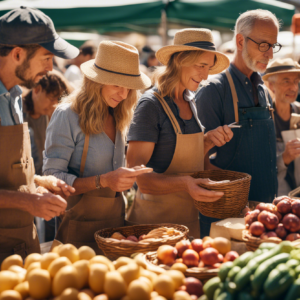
{"x":238,"y":95}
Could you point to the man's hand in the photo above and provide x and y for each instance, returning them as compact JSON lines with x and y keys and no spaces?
{"x":54,"y":185}
{"x":217,"y":137}
{"x":292,"y":151}
{"x":46,"y":206}
{"x":122,"y":179}
{"x":200,"y":194}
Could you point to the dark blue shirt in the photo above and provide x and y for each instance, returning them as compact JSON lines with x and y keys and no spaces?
{"x":151,"y":124}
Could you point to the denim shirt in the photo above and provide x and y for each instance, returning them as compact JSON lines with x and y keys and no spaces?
{"x":64,"y":147}
{"x":10,"y":105}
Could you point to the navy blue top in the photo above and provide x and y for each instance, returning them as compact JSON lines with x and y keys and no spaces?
{"x":214,"y":100}
{"x":151,"y":124}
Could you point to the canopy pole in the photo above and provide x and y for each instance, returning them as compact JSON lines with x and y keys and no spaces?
{"x":163,"y":30}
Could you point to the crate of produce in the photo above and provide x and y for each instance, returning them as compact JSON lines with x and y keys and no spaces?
{"x":124,"y":241}
{"x":200,"y":259}
{"x":235,"y":196}
{"x":273,"y":222}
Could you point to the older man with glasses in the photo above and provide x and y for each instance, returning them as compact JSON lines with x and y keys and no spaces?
{"x":238,"y":95}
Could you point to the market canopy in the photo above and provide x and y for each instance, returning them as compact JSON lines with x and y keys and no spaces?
{"x":145,"y":15}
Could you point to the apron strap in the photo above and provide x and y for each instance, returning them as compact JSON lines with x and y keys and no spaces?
{"x":84,"y":153}
{"x":169,"y":113}
{"x":234,"y":96}
{"x":271,"y":110}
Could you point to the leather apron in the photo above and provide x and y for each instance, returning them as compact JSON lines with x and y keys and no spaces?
{"x":252,"y":150}
{"x":90,"y":212}
{"x":175,"y":208}
{"x":18,"y":234}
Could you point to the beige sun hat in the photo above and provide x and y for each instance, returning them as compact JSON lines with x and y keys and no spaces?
{"x":116,"y":63}
{"x":194,"y":39}
{"x":281,"y":65}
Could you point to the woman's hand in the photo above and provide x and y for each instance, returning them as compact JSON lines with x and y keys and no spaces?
{"x":200,"y":194}
{"x":122,"y":179}
{"x":54,"y":185}
{"x":217,"y":137}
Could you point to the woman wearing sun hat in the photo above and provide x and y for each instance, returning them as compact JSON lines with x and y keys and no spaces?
{"x":85,"y":143}
{"x":167,"y":135}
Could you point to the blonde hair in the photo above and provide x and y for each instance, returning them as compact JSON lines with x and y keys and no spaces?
{"x":166,"y":78}
{"x":92,"y":109}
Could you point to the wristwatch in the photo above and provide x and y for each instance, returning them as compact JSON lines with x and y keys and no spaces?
{"x":97,"y":182}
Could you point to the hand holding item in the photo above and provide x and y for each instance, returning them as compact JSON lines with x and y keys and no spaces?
{"x":217,"y":137}
{"x":54,"y":185}
{"x":46,"y":206}
{"x":200,"y":194}
{"x":123,"y":179}
{"x":292,"y":151}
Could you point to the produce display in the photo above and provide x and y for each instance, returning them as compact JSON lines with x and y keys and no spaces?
{"x":157,"y":233}
{"x":280,"y":220}
{"x":68,"y":273}
{"x":271,"y":272}
{"x":202,"y":253}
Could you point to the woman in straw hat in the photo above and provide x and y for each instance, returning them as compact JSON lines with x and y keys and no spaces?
{"x":85,"y":143}
{"x":167,"y":135}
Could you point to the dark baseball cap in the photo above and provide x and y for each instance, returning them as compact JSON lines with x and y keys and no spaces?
{"x":25,"y":25}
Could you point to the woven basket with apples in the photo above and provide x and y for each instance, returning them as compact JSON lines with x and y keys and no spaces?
{"x":200,"y":258}
{"x":273,"y":222}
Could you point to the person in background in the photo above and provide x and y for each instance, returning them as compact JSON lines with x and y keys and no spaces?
{"x":73,"y":73}
{"x":85,"y":143}
{"x":282,"y":78}
{"x":239,"y":95}
{"x":167,"y":135}
{"x":39,"y":105}
{"x":28,"y":42}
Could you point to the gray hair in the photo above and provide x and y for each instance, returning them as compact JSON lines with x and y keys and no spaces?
{"x":272,"y":78}
{"x":245,"y":22}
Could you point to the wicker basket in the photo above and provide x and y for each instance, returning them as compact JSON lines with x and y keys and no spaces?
{"x":252,"y":242}
{"x":203,"y":274}
{"x":235,"y":196}
{"x":295,"y":193}
{"x":115,"y":249}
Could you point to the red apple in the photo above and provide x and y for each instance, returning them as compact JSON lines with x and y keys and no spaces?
{"x":182,"y":246}
{"x":231,"y":256}
{"x":193,"y":286}
{"x":209,"y":256}
{"x":132,"y":238}
{"x":220,"y":257}
{"x":190,"y":258}
{"x":197,"y":245}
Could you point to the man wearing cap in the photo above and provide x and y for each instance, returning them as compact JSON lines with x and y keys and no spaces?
{"x":282,"y":78}
{"x":28,"y":42}
{"x":238,"y":95}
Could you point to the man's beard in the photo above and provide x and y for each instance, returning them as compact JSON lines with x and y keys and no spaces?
{"x":251,"y":63}
{"x":21,"y":74}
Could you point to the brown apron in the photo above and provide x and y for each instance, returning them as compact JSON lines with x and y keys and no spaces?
{"x":176,"y":208}
{"x":18,"y":234}
{"x":89,"y":212}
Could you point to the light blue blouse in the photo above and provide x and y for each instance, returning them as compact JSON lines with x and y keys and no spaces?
{"x":64,"y":147}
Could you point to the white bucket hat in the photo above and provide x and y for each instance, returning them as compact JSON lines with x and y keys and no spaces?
{"x":192,"y":40}
{"x":116,"y":63}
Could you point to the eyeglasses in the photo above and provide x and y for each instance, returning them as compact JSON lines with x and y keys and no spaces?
{"x":264,"y":46}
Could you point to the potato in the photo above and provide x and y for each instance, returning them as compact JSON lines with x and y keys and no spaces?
{"x":86,"y":294}
{"x":296,"y":208}
{"x":31,"y":258}
{"x":281,"y":198}
{"x":23,"y":289}
{"x":122,"y":261}
{"x":266,"y":206}
{"x":148,"y":274}
{"x":69,"y":251}
{"x":251,"y":217}
{"x":284,"y":207}
{"x":291,"y":222}
{"x":281,"y":231}
{"x":114,"y":285}
{"x":257,"y":228}
{"x":86,"y":252}
{"x":129,"y":272}
{"x":57,"y":264}
{"x":12,"y":260}
{"x":164,"y":285}
{"x":292,"y":237}
{"x":138,"y":290}
{"x":69,"y":294}
{"x":267,"y":235}
{"x":82,"y":267}
{"x":39,"y":282}
{"x":269,"y":219}
{"x":177,"y":277}
{"x":100,"y":259}
{"x":10,"y":295}
{"x":96,"y":277}
{"x":47,"y":259}
{"x":8,"y":280}
{"x":33,"y":266}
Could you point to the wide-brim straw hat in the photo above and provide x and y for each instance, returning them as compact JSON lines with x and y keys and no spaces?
{"x":116,"y":63}
{"x":281,"y":65}
{"x":194,"y":40}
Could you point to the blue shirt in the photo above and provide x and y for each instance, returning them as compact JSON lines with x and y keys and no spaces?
{"x":151,"y":124}
{"x":214,"y":100}
{"x":10,"y":105}
{"x":64,"y":147}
